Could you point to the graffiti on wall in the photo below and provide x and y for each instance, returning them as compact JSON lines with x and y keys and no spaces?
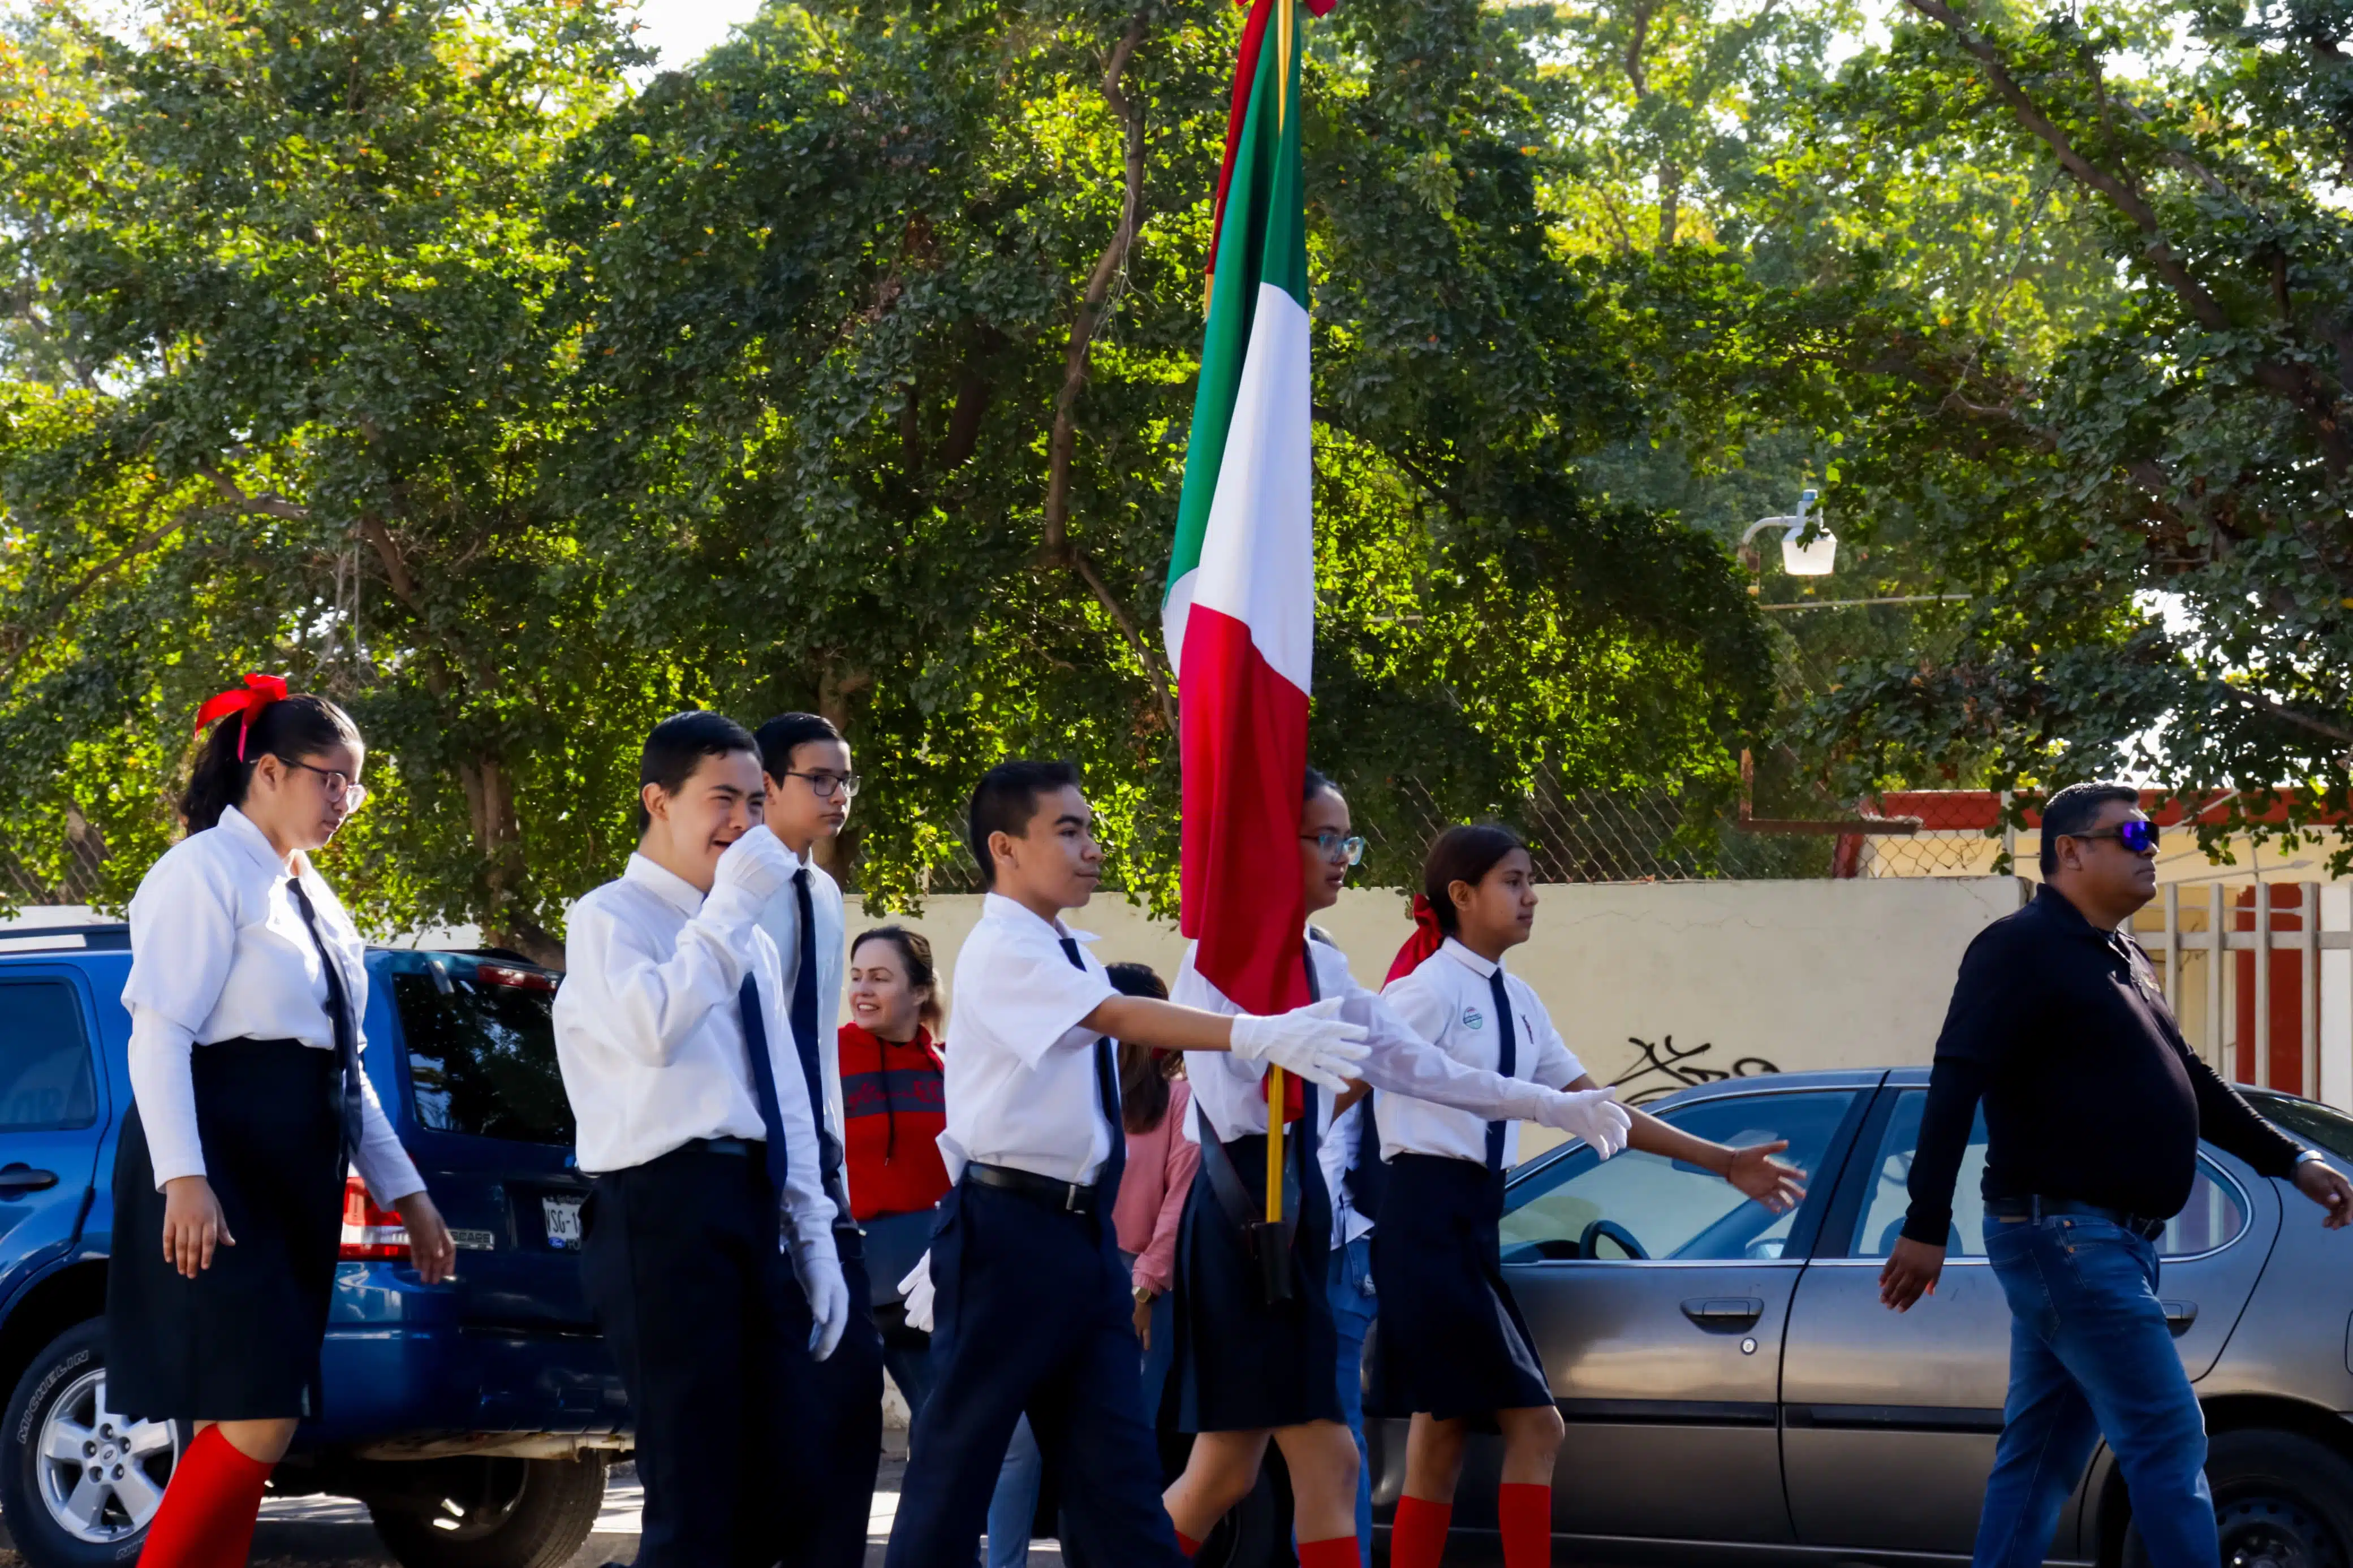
{"x":1660,"y":1070}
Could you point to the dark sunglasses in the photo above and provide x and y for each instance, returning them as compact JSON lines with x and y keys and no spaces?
{"x":2137,"y":837}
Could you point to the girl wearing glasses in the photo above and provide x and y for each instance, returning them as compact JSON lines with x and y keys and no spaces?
{"x":1256,"y":1352}
{"x":1453,"y":1343}
{"x":247,"y":985}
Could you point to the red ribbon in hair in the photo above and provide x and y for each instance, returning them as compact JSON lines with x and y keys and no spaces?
{"x":1427,"y":939}
{"x":259,"y":692}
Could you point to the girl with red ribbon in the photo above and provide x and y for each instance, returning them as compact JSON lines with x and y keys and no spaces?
{"x":248,"y":987}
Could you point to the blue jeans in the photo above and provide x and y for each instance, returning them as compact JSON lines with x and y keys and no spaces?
{"x":2090,"y":1355}
{"x":1349,"y":1283}
{"x":1014,"y":1508}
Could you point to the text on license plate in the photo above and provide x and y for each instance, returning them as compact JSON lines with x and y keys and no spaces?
{"x":562,"y":1217}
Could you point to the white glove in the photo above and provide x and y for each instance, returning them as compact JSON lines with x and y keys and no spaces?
{"x":1592,"y":1114}
{"x":819,"y":1272}
{"x":1311,"y":1041}
{"x":756,"y":866}
{"x":917,"y":1288}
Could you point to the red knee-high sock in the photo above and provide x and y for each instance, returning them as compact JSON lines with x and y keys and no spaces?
{"x":1188,"y":1545}
{"x":1332,"y":1551}
{"x":1524,"y":1512}
{"x":206,"y":1520}
{"x":1418,"y":1534}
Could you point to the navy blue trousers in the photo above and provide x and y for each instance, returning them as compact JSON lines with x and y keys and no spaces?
{"x":1032,"y":1316}
{"x":711,"y":1331}
{"x":849,"y":1438}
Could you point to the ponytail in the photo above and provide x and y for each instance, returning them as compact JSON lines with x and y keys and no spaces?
{"x":1461,"y":854}
{"x":288,"y":728}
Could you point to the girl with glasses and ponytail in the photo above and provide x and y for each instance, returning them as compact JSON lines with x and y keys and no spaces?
{"x":1452,"y":1344}
{"x":247,"y":985}
{"x":1258,"y":1355}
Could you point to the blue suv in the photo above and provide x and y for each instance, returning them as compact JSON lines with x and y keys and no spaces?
{"x":475,"y":1419}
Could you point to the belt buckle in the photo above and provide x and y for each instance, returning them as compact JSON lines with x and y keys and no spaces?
{"x":1072,"y":1193}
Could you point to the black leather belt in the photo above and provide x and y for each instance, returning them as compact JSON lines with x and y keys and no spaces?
{"x":1063,"y":1197}
{"x":744,"y":1146}
{"x":2035,"y":1207}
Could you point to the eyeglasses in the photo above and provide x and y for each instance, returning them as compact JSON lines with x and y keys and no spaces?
{"x":822,"y":786}
{"x":341,"y":790}
{"x":2137,"y":837}
{"x":1336,"y":846}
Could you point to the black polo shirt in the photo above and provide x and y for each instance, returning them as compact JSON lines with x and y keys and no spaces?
{"x":2090,"y":1091}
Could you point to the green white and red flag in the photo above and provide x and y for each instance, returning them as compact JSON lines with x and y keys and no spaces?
{"x":1239,"y":611}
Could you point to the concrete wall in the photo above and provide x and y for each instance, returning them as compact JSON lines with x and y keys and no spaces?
{"x":1655,"y":986}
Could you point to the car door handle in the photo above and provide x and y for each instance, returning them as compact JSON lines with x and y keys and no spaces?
{"x":1725,"y":1314}
{"x":2179,"y":1315}
{"x":22,"y":1178}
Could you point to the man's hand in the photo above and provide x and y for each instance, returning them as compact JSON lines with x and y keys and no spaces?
{"x":758,"y":863}
{"x":1776,"y":1185}
{"x":192,"y":1224}
{"x":917,"y":1289}
{"x":1144,"y":1323}
{"x":1911,"y":1273}
{"x":429,"y":1243}
{"x":2325,"y":1184}
{"x":1312,"y":1041}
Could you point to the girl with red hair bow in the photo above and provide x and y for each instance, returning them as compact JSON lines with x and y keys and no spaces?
{"x":247,"y":986}
{"x":1452,"y":1344}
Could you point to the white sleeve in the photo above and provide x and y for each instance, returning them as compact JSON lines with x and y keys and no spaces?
{"x":811,"y":1212}
{"x":380,"y":1160}
{"x":183,"y":940}
{"x":1557,"y":1066}
{"x":1026,"y":1003}
{"x":1404,"y":1061}
{"x":645,"y":1002}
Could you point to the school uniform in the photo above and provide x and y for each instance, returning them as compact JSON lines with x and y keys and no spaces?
{"x":1031,"y":1311}
{"x":695,"y":1119}
{"x":246,"y":989}
{"x":805,"y":923}
{"x":1244,"y":1363}
{"x":1350,"y":1155}
{"x":1453,"y":1343}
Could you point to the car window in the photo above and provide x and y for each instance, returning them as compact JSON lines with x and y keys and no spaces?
{"x":2319,"y":1125}
{"x":46,"y":1083}
{"x":2213,"y":1215}
{"x":481,"y":1053}
{"x":1583,"y":1208}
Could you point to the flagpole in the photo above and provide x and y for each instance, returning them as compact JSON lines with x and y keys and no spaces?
{"x":1274,"y":1092}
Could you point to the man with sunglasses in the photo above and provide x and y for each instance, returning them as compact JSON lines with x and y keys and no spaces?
{"x":2094,"y":1106}
{"x":805,"y":766}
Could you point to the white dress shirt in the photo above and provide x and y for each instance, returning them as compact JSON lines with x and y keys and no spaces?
{"x":1230,"y":1093}
{"x":781,"y":919}
{"x":219,"y":951}
{"x":1450,"y":1001}
{"x":1020,"y":1082}
{"x":649,"y":1031}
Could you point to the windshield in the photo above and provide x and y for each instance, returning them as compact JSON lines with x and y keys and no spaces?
{"x":482,"y":1054}
{"x":2315,"y":1124}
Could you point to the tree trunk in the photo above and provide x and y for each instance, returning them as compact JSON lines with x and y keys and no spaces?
{"x":498,"y":839}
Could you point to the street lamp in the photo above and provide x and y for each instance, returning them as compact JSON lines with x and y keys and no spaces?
{"x":1812,"y":558}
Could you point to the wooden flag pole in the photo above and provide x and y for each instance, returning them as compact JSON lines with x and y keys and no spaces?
{"x":1273,"y":1146}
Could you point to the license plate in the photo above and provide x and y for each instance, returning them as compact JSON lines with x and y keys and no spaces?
{"x":562,"y":1217}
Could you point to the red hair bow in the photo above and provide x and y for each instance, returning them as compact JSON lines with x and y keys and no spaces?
{"x":259,"y":692}
{"x":1427,"y":939}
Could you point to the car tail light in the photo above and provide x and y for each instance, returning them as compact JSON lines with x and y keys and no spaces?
{"x":371,"y":1235}
{"x":519,"y":979}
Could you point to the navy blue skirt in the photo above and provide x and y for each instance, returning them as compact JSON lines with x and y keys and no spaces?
{"x":1451,"y":1342}
{"x":1243,"y":1364}
{"x":241,"y":1341}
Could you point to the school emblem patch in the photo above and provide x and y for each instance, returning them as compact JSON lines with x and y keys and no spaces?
{"x":1474,"y":1019}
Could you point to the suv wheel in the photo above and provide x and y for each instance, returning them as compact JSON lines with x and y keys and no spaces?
{"x":2280,"y":1500}
{"x":491,"y":1513}
{"x":79,"y":1484}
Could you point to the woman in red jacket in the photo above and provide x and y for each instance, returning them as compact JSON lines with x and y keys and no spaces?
{"x":893,"y":1110}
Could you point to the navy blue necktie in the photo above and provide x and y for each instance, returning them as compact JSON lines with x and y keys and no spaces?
{"x":1507,"y":1061}
{"x":803,"y":1021}
{"x":1106,"y":1090}
{"x":763,"y":1080}
{"x":349,"y":1101}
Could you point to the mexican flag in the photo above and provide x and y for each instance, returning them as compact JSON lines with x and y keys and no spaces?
{"x":1240,"y":613}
